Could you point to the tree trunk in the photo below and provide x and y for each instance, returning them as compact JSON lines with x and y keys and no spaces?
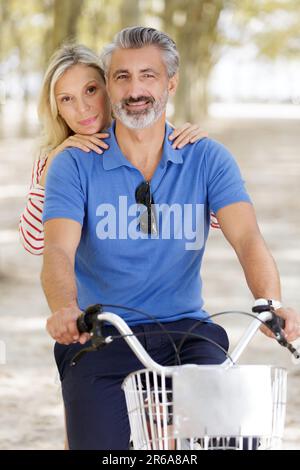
{"x":130,"y":13}
{"x":66,"y":15}
{"x":4,"y":17}
{"x":193,"y":25}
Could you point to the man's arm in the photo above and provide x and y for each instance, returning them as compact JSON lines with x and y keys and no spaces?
{"x":62,"y":237}
{"x":239,"y":225}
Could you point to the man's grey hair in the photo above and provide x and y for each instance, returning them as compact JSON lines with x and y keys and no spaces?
{"x":137,"y":37}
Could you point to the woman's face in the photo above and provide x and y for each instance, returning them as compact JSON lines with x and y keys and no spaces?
{"x":82,"y":100}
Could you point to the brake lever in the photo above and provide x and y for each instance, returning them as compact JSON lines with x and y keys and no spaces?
{"x":79,"y":355}
{"x":98,"y":341}
{"x":97,"y":344}
{"x":277,"y":325}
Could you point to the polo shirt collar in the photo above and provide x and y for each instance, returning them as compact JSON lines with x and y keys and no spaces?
{"x":114,"y":158}
{"x":170,"y":154}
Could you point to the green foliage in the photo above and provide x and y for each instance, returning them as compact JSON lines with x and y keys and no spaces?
{"x":273,"y":25}
{"x":23,"y":25}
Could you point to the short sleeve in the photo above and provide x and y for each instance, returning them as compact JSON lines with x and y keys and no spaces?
{"x":64,"y":196}
{"x":224,"y":180}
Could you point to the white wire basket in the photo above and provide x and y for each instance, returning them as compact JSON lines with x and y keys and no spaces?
{"x":207,"y":408}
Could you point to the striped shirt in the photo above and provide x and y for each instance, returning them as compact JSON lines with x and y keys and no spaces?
{"x":31,"y":228}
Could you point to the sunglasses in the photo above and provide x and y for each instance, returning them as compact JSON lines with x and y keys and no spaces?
{"x":147,"y":220}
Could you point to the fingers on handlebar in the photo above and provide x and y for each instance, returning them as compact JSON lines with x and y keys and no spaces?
{"x":291,"y":331}
{"x":264,"y":329}
{"x":72,"y":328}
{"x":84,"y":337}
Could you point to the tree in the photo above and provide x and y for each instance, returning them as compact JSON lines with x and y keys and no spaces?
{"x":194,"y":26}
{"x":66,"y":15}
{"x":4,"y":15}
{"x":130,"y":13}
{"x":273,"y":25}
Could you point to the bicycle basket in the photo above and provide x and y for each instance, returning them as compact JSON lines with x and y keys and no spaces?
{"x":207,"y":408}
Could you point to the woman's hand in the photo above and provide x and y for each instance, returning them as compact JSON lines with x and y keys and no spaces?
{"x":80,"y":141}
{"x":187,"y":134}
{"x":85,"y":142}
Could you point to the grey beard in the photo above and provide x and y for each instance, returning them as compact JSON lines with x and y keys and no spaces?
{"x":143,"y":119}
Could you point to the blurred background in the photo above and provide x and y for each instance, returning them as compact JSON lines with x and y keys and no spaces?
{"x":239,"y":78}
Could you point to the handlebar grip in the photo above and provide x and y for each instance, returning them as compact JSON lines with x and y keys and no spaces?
{"x":281,"y":322}
{"x":85,"y":321}
{"x":276,"y":324}
{"x":276,"y":321}
{"x":81,"y":324}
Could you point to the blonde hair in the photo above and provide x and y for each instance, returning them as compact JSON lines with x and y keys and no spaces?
{"x":55,"y":129}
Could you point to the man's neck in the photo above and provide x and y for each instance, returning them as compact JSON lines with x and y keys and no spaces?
{"x":142,"y":147}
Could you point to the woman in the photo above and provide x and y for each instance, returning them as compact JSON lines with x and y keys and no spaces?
{"x":61,"y":95}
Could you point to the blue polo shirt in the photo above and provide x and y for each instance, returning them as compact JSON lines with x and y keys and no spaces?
{"x":115,"y":262}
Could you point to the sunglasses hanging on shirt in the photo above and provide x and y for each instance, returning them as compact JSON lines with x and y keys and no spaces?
{"x":148,"y":219}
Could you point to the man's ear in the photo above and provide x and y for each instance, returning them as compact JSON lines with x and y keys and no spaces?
{"x":173,"y":83}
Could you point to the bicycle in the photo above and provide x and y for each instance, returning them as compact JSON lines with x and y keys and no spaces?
{"x":182,"y":406}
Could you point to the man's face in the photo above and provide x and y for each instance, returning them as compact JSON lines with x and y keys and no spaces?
{"x":138,"y":86}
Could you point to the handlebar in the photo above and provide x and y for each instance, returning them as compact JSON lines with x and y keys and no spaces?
{"x":92,"y":319}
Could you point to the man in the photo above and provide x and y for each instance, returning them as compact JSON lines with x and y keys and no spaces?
{"x":109,"y":238}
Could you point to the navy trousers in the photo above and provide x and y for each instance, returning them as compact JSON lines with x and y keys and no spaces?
{"x":96,"y":415}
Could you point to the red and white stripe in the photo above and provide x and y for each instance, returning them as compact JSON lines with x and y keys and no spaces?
{"x":31,"y":226}
{"x":214,"y":221}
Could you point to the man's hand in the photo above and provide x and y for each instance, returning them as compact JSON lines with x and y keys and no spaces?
{"x":292,"y":324}
{"x":61,"y":325}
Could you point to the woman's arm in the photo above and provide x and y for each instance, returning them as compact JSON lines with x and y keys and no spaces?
{"x":31,"y":229}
